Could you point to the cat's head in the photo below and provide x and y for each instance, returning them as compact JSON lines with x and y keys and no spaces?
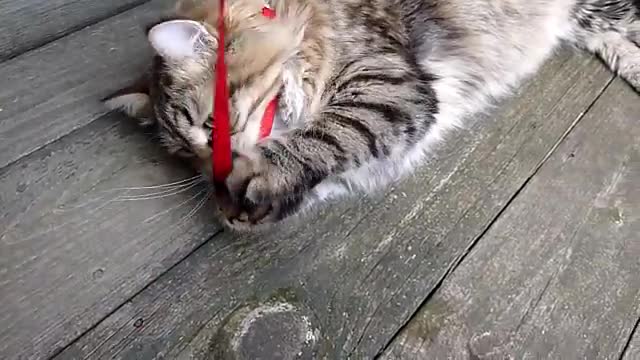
{"x":175,"y":97}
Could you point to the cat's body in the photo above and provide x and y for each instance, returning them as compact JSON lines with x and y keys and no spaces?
{"x":367,"y":86}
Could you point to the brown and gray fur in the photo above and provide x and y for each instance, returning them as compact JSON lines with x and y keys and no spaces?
{"x":366,"y":86}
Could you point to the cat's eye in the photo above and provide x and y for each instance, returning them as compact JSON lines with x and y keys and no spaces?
{"x":208,"y":123}
{"x":185,"y":153}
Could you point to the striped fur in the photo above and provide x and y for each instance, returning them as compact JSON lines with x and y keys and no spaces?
{"x":367,"y":86}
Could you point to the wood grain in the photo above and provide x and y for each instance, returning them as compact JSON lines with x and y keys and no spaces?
{"x":556,"y":277}
{"x":343,"y":281}
{"x":74,"y":245}
{"x":27,"y":24}
{"x":57,"y":88}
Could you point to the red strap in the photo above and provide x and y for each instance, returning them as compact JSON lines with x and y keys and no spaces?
{"x":221,"y":134}
{"x":270,"y":111}
{"x":267,"y":119}
{"x":268,"y":12}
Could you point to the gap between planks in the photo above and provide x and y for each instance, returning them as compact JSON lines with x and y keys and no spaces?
{"x":57,"y":87}
{"x":71,"y":30}
{"x":455,"y":265}
{"x":482,"y":306}
{"x":151,"y":281}
{"x":627,"y":351}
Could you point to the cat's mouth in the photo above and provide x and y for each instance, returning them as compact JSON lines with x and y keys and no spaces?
{"x":238,"y":215}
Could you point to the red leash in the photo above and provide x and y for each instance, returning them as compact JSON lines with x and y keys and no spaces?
{"x":221,"y":133}
{"x":221,"y":157}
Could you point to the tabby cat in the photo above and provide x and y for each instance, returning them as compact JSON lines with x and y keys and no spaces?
{"x":366,"y":87}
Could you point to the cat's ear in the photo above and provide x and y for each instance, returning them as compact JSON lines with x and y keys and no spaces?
{"x":133,"y":100}
{"x":180,"y":39}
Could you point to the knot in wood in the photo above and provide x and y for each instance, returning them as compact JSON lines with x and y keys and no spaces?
{"x":265,"y":331}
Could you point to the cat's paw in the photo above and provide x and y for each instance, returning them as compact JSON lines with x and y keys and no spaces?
{"x":257,"y":191}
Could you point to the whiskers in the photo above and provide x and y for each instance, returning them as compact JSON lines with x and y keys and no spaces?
{"x":207,"y":194}
{"x":106,"y":207}
{"x":161,"y":191}
{"x":204,"y":194}
{"x":108,"y":197}
{"x":198,"y":206}
{"x":167,"y":190}
{"x":171,"y":184}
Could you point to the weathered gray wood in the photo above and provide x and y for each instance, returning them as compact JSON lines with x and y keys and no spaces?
{"x":27,"y":24}
{"x":56,"y":89}
{"x":72,"y":247}
{"x":556,"y":277}
{"x":345,"y":280}
{"x":633,"y":352}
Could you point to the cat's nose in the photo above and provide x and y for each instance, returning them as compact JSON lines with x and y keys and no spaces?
{"x":230,"y":209}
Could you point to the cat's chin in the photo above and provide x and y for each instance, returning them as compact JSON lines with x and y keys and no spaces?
{"x":241,"y":227}
{"x":268,"y":223}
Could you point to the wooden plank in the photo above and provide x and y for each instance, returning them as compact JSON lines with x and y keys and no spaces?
{"x":72,"y":247}
{"x":57,"y":88}
{"x":343,"y":281}
{"x":27,"y":24}
{"x":633,"y":351}
{"x":556,"y":277}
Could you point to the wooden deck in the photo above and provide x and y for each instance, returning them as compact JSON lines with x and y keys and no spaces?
{"x":519,"y":240}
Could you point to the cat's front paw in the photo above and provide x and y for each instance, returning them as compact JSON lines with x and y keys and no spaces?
{"x":258,"y":190}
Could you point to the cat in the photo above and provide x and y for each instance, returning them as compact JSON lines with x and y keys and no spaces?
{"x":365,"y":87}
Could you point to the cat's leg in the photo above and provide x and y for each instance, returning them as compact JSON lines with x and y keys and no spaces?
{"x":372,"y":116}
{"x":611,"y":29}
{"x":620,"y":53}
{"x":284,"y":176}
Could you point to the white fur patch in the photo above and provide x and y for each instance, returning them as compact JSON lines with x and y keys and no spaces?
{"x":199,"y":141}
{"x":178,"y":39}
{"x":292,"y":98}
{"x":197,"y":136}
{"x":131,"y":104}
